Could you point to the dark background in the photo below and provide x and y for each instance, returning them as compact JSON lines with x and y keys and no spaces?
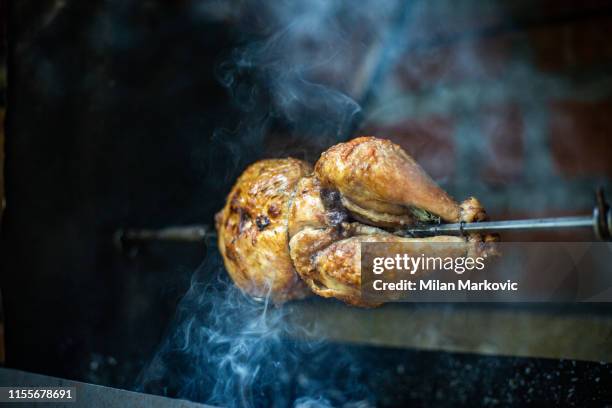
{"x":102,"y":138}
{"x":117,"y":116}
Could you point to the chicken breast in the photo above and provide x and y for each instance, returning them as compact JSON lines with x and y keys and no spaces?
{"x":253,"y":230}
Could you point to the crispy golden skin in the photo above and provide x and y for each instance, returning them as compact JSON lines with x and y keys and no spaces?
{"x":252,"y":230}
{"x":280,"y":218}
{"x":307,"y":209}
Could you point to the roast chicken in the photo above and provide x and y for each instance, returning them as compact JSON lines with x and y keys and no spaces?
{"x":289,"y":230}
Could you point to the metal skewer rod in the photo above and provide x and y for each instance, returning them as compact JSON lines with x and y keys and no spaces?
{"x":199,"y":233}
{"x":600,"y":221}
{"x":129,"y":238}
{"x":188,"y":233}
{"x":585,"y":221}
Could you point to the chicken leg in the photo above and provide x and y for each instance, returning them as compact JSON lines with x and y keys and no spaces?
{"x":382,"y":185}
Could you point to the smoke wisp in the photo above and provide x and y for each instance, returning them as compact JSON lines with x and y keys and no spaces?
{"x":227,"y":349}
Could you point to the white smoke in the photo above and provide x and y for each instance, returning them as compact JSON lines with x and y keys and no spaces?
{"x":227,"y":349}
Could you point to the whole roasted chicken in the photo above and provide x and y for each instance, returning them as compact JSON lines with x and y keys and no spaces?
{"x":288,"y":229}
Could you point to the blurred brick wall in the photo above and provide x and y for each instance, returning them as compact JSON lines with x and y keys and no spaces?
{"x":507,"y":101}
{"x":511,"y":103}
